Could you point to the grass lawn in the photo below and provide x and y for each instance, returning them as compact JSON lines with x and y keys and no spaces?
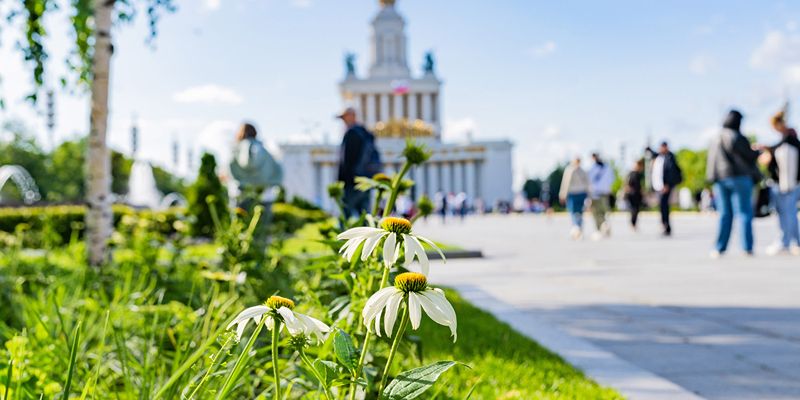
{"x":505,"y":364}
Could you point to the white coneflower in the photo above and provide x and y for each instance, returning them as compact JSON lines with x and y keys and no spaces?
{"x":280,"y":307}
{"x":396,"y":231}
{"x":410,"y":288}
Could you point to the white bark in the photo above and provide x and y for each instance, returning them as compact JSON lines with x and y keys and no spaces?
{"x":99,"y":217}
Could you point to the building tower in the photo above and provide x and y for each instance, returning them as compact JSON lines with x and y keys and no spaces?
{"x":389,"y":100}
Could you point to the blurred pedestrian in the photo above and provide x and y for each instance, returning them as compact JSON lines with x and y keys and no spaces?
{"x":666,"y":175}
{"x":601,"y":178}
{"x":731,"y":166}
{"x":358,"y":157}
{"x":573,"y":193}
{"x":783,"y":163}
{"x":254,"y":169}
{"x":633,"y":191}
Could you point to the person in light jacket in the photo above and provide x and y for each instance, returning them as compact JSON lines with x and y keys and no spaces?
{"x":731,"y":167}
{"x":783,"y":163}
{"x":573,"y":192}
{"x":254,"y":170}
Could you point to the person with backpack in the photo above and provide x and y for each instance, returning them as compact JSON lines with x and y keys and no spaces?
{"x":731,"y":167}
{"x":666,"y":175}
{"x":256,"y":174}
{"x":252,"y":166}
{"x":358,"y":156}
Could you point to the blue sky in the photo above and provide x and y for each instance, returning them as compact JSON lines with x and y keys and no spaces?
{"x":557,"y":78}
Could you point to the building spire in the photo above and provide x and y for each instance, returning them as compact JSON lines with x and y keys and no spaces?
{"x":387,"y":3}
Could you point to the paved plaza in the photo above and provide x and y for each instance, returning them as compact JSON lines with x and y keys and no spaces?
{"x":654,"y":317}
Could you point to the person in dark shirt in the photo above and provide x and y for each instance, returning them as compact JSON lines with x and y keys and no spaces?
{"x":355,"y":144}
{"x":633,"y":191}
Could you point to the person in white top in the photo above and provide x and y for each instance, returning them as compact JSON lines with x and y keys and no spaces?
{"x":601,"y":178}
{"x":665,"y":176}
{"x":783,"y":163}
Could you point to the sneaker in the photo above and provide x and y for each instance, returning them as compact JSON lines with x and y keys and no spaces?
{"x":576,"y":233}
{"x":605,"y":229}
{"x":794,"y":250}
{"x":714,"y":255}
{"x":596,"y":236}
{"x":776,"y":249}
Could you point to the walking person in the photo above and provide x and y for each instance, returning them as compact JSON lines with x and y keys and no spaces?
{"x":783,"y":163}
{"x":731,"y":167}
{"x":358,"y":156}
{"x":257,"y":176}
{"x":666,"y":175}
{"x":633,"y":191}
{"x":573,"y":192}
{"x":601,"y":178}
{"x":254,"y":169}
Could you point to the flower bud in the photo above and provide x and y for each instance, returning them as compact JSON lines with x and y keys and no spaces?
{"x":416,"y":154}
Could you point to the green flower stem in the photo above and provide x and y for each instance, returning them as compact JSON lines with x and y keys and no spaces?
{"x":415,"y":218}
{"x":276,"y":333}
{"x":397,"y":339}
{"x":310,"y":365}
{"x":215,"y":362}
{"x":396,"y":189}
{"x":233,"y":376}
{"x":365,"y":346}
{"x":378,"y":198}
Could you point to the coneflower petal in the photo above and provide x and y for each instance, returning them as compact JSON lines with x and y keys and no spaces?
{"x":390,"y":315}
{"x":435,"y":247}
{"x":357,"y":232}
{"x":414,"y":310}
{"x":390,"y":250}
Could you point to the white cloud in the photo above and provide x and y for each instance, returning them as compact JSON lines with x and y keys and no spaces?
{"x":544,"y":49}
{"x":551,"y":131}
{"x":208,"y":94}
{"x":212,"y":4}
{"x":701,"y":64}
{"x":459,"y":130}
{"x":777,"y":50}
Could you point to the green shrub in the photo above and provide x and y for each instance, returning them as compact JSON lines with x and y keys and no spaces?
{"x":205,"y":191}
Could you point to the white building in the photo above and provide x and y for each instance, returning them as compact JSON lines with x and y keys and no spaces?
{"x":395,"y":105}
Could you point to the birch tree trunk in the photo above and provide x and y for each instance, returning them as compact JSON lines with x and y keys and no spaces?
{"x":99,"y":218}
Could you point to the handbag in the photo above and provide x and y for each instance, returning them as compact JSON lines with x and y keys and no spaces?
{"x":762,"y":203}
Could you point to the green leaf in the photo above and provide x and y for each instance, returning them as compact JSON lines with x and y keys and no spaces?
{"x":346,"y":353}
{"x":412,"y":383}
{"x":326,"y":369}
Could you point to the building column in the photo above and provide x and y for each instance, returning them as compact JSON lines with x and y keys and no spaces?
{"x":412,"y":107}
{"x":447,"y":177}
{"x":398,"y":107}
{"x":478,"y":184}
{"x":360,"y":114}
{"x":469,"y":170}
{"x":422,"y":180}
{"x":372,"y":107}
{"x":327,"y":177}
{"x":433,"y":178}
{"x":384,"y":107}
{"x":458,"y":176}
{"x":427,"y":109}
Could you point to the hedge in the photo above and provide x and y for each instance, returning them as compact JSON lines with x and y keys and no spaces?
{"x":68,"y":220}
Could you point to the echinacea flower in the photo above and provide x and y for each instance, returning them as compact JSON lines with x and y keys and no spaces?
{"x":412,"y":289}
{"x":281,"y":308}
{"x":395,"y":231}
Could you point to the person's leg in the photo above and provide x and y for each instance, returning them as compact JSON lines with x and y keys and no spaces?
{"x":743,"y":203}
{"x":795,"y":224}
{"x":784,"y":208}
{"x":595,"y":207}
{"x":663,"y":203}
{"x":605,"y":207}
{"x":722,"y":199}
